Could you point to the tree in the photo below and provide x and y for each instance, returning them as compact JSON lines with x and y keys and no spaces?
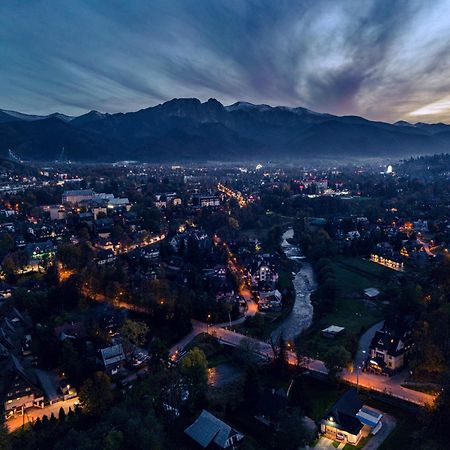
{"x":194,"y":366}
{"x":96,"y":394}
{"x":292,"y":432}
{"x":336,"y":359}
{"x":69,"y":359}
{"x":252,"y":385}
{"x":136,"y":332}
{"x":62,"y":415}
{"x":5,"y":440}
{"x":113,"y":440}
{"x":281,"y":358}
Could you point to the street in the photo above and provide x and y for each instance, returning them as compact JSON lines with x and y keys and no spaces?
{"x":33,"y":413}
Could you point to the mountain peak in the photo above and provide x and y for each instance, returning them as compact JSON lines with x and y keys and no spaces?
{"x":242,"y":106}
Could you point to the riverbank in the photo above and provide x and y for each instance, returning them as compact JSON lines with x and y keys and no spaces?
{"x":301,"y":315}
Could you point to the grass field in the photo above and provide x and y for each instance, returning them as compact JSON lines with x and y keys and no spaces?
{"x":353,"y":275}
{"x":357,"y":274}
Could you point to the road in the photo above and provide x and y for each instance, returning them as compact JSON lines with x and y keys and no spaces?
{"x":32,"y":414}
{"x":388,"y":385}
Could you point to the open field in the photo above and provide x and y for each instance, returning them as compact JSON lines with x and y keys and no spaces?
{"x":351,"y":310}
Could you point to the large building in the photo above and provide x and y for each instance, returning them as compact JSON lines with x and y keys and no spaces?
{"x":391,"y":346}
{"x":77,"y":196}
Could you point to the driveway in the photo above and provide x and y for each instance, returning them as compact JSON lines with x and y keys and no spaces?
{"x":389,"y":423}
{"x":324,"y":444}
{"x":364,"y":342}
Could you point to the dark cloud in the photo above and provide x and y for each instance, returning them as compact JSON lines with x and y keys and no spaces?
{"x":377,"y":58}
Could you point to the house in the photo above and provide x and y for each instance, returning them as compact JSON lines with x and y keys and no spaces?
{"x":18,"y":389}
{"x":391,"y":346}
{"x":385,"y":255}
{"x":210,"y":432}
{"x":205,"y":200}
{"x":41,"y":250}
{"x":113,"y":358}
{"x":77,"y":196}
{"x":349,"y":420}
{"x":263,"y":272}
{"x":332,"y":331}
{"x":105,"y":257}
{"x":270,"y":301}
{"x":371,"y":293}
{"x":73,"y":330}
{"x":57,"y":212}
{"x":270,"y":406}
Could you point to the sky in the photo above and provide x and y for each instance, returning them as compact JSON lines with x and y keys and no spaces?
{"x":381,"y":59}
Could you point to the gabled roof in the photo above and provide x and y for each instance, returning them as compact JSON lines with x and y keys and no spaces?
{"x":208,"y":428}
{"x":14,"y":373}
{"x":393,"y":332}
{"x":343,"y":414}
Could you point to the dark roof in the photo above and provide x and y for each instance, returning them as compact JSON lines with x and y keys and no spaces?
{"x":15,"y":381}
{"x":344,"y":413}
{"x":272,"y":403}
{"x":208,"y":429}
{"x":394,"y":331}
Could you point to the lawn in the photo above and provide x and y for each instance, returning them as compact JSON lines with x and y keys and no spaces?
{"x":353,"y":275}
{"x":357,"y":274}
{"x":317,"y":397}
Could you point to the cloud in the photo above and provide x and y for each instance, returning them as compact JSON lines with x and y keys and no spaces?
{"x":381,"y":59}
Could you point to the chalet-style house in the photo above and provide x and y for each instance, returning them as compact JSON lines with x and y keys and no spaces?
{"x":349,"y":420}
{"x":263,"y":272}
{"x":210,"y":432}
{"x":19,"y":391}
{"x":391,"y":346}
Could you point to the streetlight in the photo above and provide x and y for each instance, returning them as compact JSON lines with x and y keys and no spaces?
{"x":207,"y":322}
{"x":357,"y":371}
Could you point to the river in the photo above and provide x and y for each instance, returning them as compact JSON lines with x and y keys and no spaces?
{"x":300,"y":317}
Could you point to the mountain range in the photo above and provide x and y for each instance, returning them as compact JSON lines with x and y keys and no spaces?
{"x":188,"y":130}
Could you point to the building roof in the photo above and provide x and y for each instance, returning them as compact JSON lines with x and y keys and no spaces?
{"x":371,"y":292}
{"x":79,"y":192}
{"x":333,"y":329}
{"x":112,"y":355}
{"x":395,"y":333}
{"x":208,"y":428}
{"x":343,"y":414}
{"x":369,"y":416}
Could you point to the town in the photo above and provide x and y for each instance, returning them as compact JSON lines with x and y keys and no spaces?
{"x":252,"y":306}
